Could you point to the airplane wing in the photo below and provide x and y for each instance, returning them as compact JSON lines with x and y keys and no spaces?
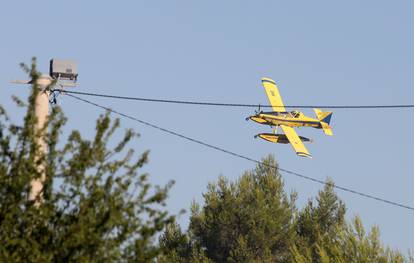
{"x":273,"y":94}
{"x":295,"y":141}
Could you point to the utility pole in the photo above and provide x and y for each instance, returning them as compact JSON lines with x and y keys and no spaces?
{"x":59,"y":70}
{"x":41,"y":113}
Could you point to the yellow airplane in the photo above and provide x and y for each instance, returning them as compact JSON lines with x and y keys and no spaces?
{"x":287,"y":120}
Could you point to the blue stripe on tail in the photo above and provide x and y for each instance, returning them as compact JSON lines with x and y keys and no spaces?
{"x":327,"y":119}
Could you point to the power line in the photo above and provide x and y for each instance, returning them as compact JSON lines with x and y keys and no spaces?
{"x":201,"y":103}
{"x":243,"y":156}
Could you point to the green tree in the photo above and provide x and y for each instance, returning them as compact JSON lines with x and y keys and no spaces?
{"x":96,"y":206}
{"x":250,"y":220}
{"x":323,"y":235}
{"x":351,"y":245}
{"x":317,"y":225}
{"x":179,"y":247}
{"x":254,"y":220}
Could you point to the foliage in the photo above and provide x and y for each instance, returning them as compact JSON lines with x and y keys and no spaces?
{"x":177,"y":247}
{"x":319,"y":224}
{"x":324,"y":236}
{"x":248,"y":220}
{"x":254,"y":220}
{"x":94,"y":207}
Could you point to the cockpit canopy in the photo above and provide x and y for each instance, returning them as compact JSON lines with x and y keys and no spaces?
{"x":291,"y":114}
{"x":295,"y":114}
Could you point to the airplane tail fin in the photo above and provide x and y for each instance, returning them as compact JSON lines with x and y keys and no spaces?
{"x":325,"y":118}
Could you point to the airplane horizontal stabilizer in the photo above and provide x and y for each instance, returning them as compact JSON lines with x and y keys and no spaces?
{"x":325,"y":118}
{"x":327,"y":129}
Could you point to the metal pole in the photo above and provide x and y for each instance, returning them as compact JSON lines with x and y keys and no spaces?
{"x":41,"y":112}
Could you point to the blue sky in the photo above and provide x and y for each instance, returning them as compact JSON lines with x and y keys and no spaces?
{"x":319,"y":52}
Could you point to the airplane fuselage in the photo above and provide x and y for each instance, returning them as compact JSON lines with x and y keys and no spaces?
{"x":286,"y":118}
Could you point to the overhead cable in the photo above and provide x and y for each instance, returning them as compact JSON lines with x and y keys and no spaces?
{"x":286,"y":171}
{"x":217,"y":104}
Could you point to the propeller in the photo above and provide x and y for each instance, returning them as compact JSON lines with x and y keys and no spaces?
{"x":258,"y":111}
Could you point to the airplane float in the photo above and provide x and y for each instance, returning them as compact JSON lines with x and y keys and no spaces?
{"x":288,"y":120}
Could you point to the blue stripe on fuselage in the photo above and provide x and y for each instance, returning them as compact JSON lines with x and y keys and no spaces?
{"x":304,"y":122}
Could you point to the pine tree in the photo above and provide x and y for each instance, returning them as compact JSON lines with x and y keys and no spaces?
{"x":318,"y":224}
{"x":178,"y":247}
{"x":323,"y":235}
{"x":254,"y":220}
{"x":246,"y":221}
{"x":96,"y":207}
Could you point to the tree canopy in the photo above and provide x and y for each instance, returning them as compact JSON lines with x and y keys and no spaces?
{"x":254,"y":220}
{"x":95,"y":205}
